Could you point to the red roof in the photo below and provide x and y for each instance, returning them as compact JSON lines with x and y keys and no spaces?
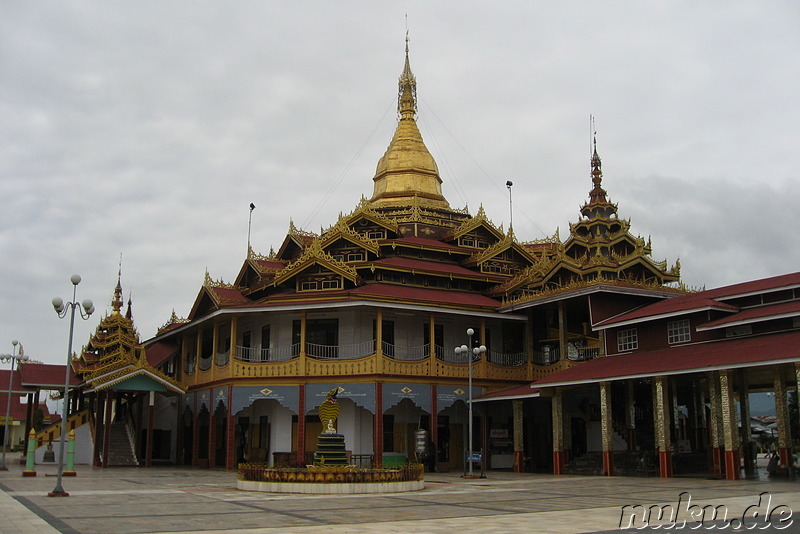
{"x":432,"y":266}
{"x":45,"y":376}
{"x":429,"y":295}
{"x":19,"y":410}
{"x":382,"y":292}
{"x":228,"y":295}
{"x":267,"y":264}
{"x":746,"y":352}
{"x":158,"y":352}
{"x":16,"y":385}
{"x":712,"y":298}
{"x":761,"y":313}
{"x":668,"y":307}
{"x":516,"y":392}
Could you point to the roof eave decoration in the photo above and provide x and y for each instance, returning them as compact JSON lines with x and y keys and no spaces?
{"x":108,"y":380}
{"x":312,"y":255}
{"x":479,"y":220}
{"x":341,"y":230}
{"x":507,"y":242}
{"x":172,"y":322}
{"x":364,"y":210}
{"x":530,"y":275}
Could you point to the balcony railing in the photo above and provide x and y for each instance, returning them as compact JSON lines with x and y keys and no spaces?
{"x":451,"y":356}
{"x":581,"y":354}
{"x":205,"y":363}
{"x":223,"y":357}
{"x":508,"y":359}
{"x":257,"y":355}
{"x":367,"y":348}
{"x":547,"y":356}
{"x":408,"y":354}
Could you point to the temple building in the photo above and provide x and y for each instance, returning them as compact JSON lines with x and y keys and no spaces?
{"x":375,"y":304}
{"x":584,"y":355}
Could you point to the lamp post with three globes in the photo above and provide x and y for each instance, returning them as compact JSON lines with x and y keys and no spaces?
{"x":61,"y":308}
{"x":476,"y":352}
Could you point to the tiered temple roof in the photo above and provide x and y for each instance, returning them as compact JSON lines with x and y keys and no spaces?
{"x":407,"y":234}
{"x":114,"y":357}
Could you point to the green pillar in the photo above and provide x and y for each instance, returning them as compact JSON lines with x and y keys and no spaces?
{"x":29,"y":470}
{"x":70,"y":466}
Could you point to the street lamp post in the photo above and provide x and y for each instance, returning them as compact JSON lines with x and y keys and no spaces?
{"x":61,"y":309}
{"x":476,"y":352}
{"x":14,"y":357}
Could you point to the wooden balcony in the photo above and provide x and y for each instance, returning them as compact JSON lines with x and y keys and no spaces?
{"x":362,"y":359}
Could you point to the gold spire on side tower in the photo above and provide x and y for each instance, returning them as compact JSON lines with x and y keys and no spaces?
{"x":407,"y":171}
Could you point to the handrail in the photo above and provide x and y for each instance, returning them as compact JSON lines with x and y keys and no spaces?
{"x":397,"y":352}
{"x":452,"y":357}
{"x":584,"y":353}
{"x":546,"y":357}
{"x":507,"y":359}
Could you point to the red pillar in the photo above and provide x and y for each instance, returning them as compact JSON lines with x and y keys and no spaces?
{"x":377,"y":435}
{"x":301,"y":426}
{"x":716,"y":459}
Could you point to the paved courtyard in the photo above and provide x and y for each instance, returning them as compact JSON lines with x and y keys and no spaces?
{"x":169,"y":499}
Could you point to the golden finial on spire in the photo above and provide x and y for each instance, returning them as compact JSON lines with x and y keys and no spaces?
{"x":407,"y":90}
{"x":116,"y":302}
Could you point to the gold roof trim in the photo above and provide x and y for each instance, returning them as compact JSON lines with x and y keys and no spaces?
{"x":210,"y":282}
{"x":312,"y":254}
{"x":173,"y":320}
{"x":529,"y":295}
{"x":472,"y":223}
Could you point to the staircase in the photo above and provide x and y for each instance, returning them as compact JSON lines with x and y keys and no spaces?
{"x":120,"y":448}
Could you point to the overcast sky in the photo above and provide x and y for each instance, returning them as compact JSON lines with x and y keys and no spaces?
{"x":147,"y":128}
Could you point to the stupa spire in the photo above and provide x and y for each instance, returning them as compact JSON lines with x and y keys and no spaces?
{"x":407,"y":172}
{"x":116,"y":302}
{"x":407,"y":90}
{"x":597,"y":194}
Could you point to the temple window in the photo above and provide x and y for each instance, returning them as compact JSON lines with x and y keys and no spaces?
{"x":627,"y":340}
{"x":308,"y":286}
{"x":330,"y":284}
{"x":467,"y":242}
{"x":679,"y":331}
{"x":376,"y":234}
{"x":741,"y":330}
{"x":358,"y":256}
